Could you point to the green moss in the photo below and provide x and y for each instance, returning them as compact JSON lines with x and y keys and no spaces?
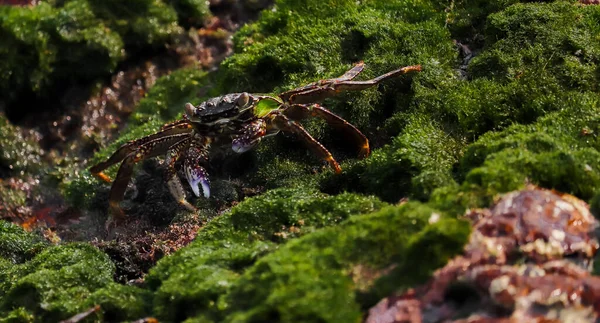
{"x":559,"y":151}
{"x":413,"y":165}
{"x":55,"y":283}
{"x":287,"y":213}
{"x":17,"y":245}
{"x":121,"y":303}
{"x":308,"y":279}
{"x":20,"y":315}
{"x":47,"y":47}
{"x":42,"y":44}
{"x":139,"y":22}
{"x":17,"y":154}
{"x":206,"y":269}
{"x":191,"y":12}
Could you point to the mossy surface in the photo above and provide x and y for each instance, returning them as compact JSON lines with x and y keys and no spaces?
{"x":17,"y":245}
{"x":522,"y":110}
{"x":47,"y":47}
{"x":53,"y":284}
{"x":204,"y":271}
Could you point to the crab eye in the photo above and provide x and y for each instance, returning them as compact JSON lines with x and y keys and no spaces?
{"x":242,"y":100}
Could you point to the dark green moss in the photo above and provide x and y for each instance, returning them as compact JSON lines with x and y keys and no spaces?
{"x":17,"y":245}
{"x":308,"y":279}
{"x":139,"y":22}
{"x":43,"y":44}
{"x":191,"y":12}
{"x":55,"y":44}
{"x":55,"y":283}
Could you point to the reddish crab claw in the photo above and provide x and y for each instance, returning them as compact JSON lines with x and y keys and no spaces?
{"x":240,"y":120}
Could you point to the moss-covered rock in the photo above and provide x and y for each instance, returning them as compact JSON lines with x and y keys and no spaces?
{"x":523,"y":109}
{"x":204,"y":271}
{"x":120,"y":303}
{"x":44,"y":44}
{"x":17,"y":245}
{"x":54,"y":284}
{"x":315,"y":278}
{"x":52,"y":45}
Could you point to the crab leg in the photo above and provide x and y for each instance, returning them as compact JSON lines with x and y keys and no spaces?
{"x":130,"y":147}
{"x":283,"y":123}
{"x":196,"y":174}
{"x":302,"y":111}
{"x":323,"y":89}
{"x":149,"y":149}
{"x":173,"y":182}
{"x":251,"y":135}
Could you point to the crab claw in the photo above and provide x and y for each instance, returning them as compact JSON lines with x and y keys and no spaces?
{"x":195,"y":175}
{"x":243,"y":144}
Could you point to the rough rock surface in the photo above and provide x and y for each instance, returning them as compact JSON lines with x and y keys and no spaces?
{"x":528,"y":260}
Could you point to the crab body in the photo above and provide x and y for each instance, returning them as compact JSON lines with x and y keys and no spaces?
{"x":240,"y":120}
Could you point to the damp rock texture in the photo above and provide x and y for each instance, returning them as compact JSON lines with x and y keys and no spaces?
{"x":528,"y":260}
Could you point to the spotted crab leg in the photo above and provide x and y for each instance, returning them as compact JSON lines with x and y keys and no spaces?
{"x":196,"y":175}
{"x":323,"y":89}
{"x":173,"y":183}
{"x":250,"y":136}
{"x":283,"y":123}
{"x":130,"y":147}
{"x":302,"y":111}
{"x":149,"y":149}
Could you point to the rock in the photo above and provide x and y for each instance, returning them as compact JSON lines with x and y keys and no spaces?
{"x":528,"y":260}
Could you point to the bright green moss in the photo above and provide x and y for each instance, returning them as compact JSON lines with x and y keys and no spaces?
{"x":55,"y":283}
{"x":17,"y":245}
{"x":287,"y":213}
{"x":309,"y":279}
{"x":559,"y":151}
{"x":121,"y":303}
{"x":205,"y":270}
{"x":416,"y":162}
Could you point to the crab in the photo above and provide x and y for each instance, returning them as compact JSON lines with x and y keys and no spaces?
{"x":240,"y":120}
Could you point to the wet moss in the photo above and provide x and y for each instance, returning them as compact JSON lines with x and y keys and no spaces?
{"x":43,"y":44}
{"x":559,"y":151}
{"x":17,"y":153}
{"x":206,"y":269}
{"x":53,"y":285}
{"x":413,"y":165}
{"x":120,"y":303}
{"x":308,"y":279}
{"x":17,"y":245}
{"x":48,"y":47}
